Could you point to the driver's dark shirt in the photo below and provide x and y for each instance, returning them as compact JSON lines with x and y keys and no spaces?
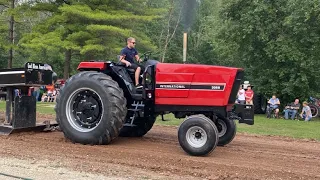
{"x":129,"y":54}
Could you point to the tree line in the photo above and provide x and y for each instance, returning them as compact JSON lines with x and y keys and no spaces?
{"x":276,"y":42}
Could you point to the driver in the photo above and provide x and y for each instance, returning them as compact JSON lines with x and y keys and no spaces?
{"x":127,"y":57}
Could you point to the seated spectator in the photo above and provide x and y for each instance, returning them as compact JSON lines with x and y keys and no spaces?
{"x":49,"y":96}
{"x":241,"y":96}
{"x":292,"y":109}
{"x":306,"y":112}
{"x":44,"y":97}
{"x":273,"y":104}
{"x":249,"y":95}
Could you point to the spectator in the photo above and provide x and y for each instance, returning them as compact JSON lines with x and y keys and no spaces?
{"x":36,"y":92}
{"x":50,"y":92}
{"x":16,"y":93}
{"x":306,"y":112}
{"x":249,"y":95}
{"x":241,"y":96}
{"x":292,"y":109}
{"x":274,"y":103}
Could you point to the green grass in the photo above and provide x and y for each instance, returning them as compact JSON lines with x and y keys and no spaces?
{"x":262,"y":125}
{"x":42,"y":107}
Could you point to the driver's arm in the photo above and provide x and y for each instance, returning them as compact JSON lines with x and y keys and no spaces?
{"x":137,"y":58}
{"x":124,"y":61}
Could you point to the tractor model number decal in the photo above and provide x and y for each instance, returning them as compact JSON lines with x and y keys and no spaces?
{"x":193,"y":86}
{"x":217,"y":87}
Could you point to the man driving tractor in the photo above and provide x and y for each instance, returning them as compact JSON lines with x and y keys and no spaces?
{"x":127,"y":57}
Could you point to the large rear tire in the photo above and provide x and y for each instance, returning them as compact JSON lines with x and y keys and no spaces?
{"x":198,"y":135}
{"x":91,"y":108}
{"x":142,"y":127}
{"x":226,"y":130}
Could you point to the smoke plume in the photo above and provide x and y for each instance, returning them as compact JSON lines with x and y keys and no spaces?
{"x":188,"y":12}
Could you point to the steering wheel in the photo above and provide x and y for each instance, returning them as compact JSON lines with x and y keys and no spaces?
{"x":146,"y":56}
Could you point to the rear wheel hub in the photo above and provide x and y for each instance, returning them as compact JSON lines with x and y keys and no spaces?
{"x":84,"y":109}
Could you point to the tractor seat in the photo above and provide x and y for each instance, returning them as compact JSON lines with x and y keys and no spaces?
{"x":131,"y":71}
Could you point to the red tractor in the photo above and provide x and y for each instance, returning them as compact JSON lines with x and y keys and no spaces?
{"x":101,"y":103}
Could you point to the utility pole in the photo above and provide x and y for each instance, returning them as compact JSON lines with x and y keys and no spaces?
{"x":11,"y":36}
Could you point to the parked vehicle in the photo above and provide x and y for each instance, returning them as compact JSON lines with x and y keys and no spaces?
{"x":314,"y":104}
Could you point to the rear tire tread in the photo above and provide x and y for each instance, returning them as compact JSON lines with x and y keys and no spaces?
{"x":116,"y":100}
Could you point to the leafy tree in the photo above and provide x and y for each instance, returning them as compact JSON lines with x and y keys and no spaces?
{"x":89,"y":29}
{"x":18,"y":12}
{"x":275,"y":41}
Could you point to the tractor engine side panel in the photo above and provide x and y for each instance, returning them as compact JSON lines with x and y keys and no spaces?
{"x":195,"y":85}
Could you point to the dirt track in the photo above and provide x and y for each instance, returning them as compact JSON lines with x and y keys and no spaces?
{"x":159,"y":156}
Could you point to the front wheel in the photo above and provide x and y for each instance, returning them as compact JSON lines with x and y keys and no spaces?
{"x":226,"y":131}
{"x":198,"y":135}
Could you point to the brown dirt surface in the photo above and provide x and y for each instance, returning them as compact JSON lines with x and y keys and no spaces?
{"x":157,"y":155}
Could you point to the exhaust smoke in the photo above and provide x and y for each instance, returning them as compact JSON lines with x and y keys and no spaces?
{"x":188,"y":11}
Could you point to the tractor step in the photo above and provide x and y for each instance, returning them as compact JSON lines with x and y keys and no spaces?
{"x":129,"y":125}
{"x":134,"y":104}
{"x":136,"y":110}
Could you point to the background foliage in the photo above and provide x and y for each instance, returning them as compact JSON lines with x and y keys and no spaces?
{"x":276,"y":42}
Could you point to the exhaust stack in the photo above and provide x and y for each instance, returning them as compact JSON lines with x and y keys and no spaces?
{"x":184,"y":47}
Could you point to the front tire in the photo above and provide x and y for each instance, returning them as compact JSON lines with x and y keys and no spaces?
{"x":91,"y":108}
{"x":198,"y":135}
{"x":226,"y":131}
